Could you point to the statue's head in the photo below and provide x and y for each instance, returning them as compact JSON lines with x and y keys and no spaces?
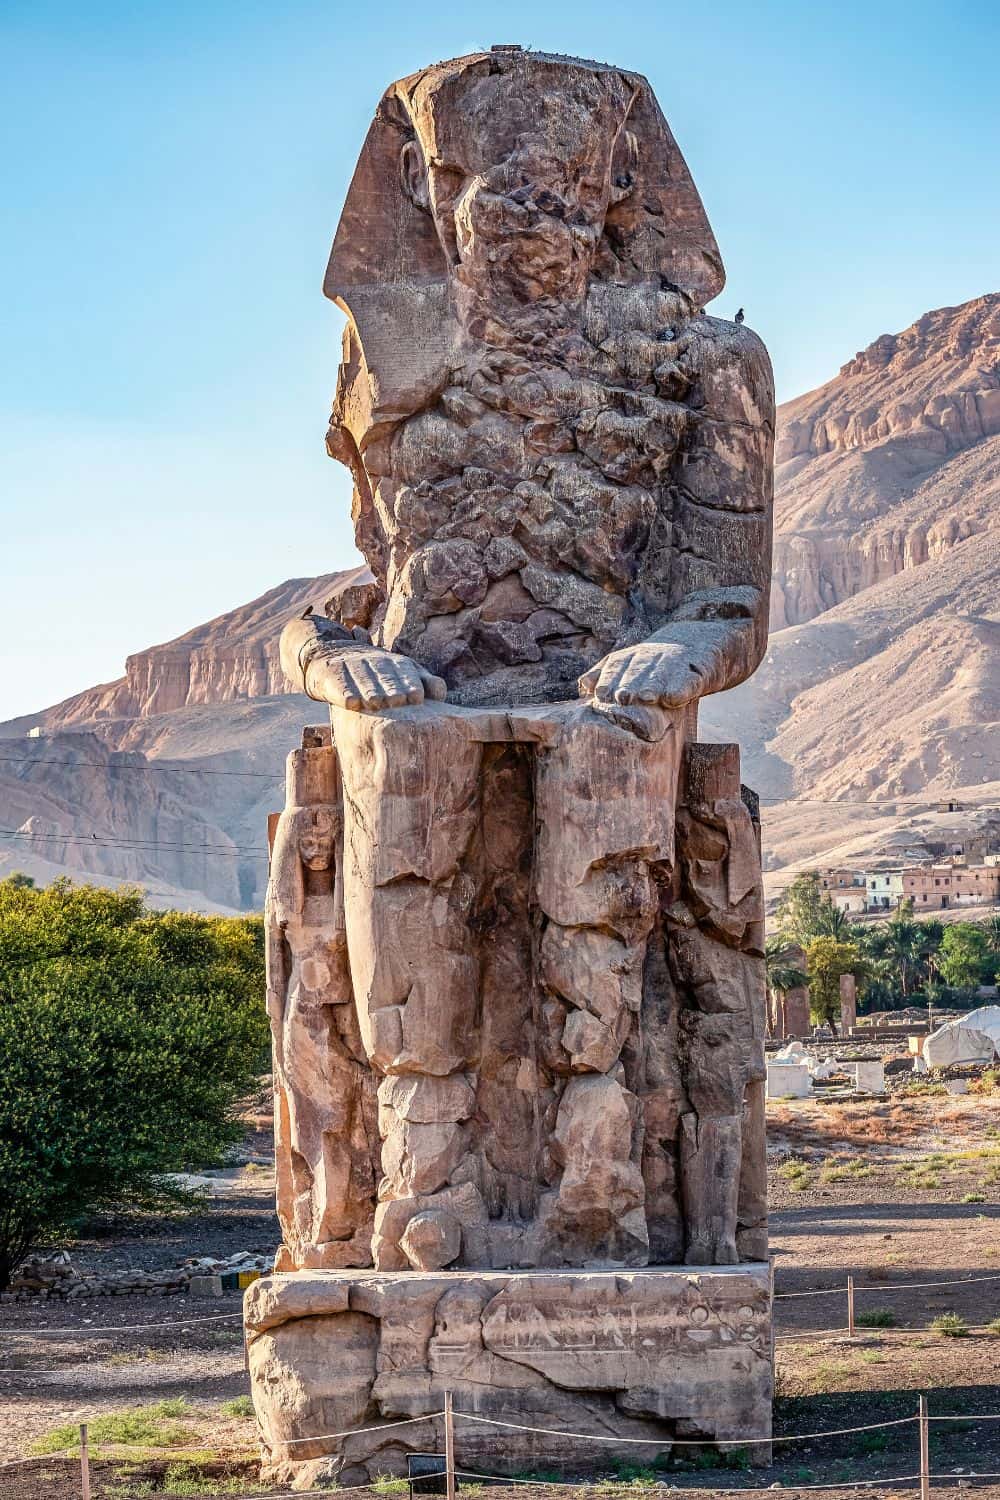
{"x":316,"y":837}
{"x":516,"y":177}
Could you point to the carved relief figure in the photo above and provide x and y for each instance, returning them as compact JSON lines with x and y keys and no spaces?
{"x":325,"y":1123}
{"x":543,"y":898}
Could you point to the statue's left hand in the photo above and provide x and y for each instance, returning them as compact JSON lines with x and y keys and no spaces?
{"x":663,"y":673}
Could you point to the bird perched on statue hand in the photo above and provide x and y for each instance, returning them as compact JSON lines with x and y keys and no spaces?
{"x":739,"y":316}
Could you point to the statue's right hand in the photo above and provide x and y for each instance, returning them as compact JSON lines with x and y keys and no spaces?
{"x":368,"y":679}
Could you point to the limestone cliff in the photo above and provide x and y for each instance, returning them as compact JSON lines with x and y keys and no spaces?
{"x":880,"y":469}
{"x":233,"y":657}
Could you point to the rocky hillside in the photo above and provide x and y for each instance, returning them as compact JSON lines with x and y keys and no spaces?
{"x":881,"y":683}
{"x":882,"y":468}
{"x":234,"y":656}
{"x":166,"y":776}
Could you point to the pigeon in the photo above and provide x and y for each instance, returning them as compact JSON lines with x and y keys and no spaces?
{"x":739,"y":316}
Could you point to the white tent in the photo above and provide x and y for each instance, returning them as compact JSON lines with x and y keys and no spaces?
{"x":973,"y":1038}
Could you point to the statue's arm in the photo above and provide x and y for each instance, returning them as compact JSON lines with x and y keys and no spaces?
{"x":716,"y":628}
{"x":327,"y":661}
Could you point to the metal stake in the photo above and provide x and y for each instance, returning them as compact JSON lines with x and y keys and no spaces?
{"x":449,"y":1447}
{"x":84,"y":1463}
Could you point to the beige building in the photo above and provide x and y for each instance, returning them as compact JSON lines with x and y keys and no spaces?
{"x":834,"y":878}
{"x":852,"y":899}
{"x":936,"y":887}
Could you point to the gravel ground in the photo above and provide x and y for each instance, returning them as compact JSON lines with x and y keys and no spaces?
{"x":877,"y":1221}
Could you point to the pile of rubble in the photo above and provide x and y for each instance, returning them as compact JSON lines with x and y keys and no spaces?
{"x":55,"y":1276}
{"x":792,"y":1072}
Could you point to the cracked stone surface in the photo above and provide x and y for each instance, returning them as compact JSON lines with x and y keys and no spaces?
{"x":653,"y":1354}
{"x":514,"y":921}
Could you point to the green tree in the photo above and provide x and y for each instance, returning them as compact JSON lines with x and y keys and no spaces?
{"x":805,"y":911}
{"x":826,"y":959}
{"x":902,"y":952}
{"x":964,"y":956}
{"x":127,"y":1037}
{"x":991,"y":931}
{"x":781,"y":973}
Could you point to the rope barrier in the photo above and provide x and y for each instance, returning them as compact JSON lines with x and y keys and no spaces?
{"x":736,"y":1442}
{"x":84,"y":1329}
{"x":819,"y":1334}
{"x":987,"y":1417}
{"x":899,"y":1286}
{"x":37,"y":1458}
{"x":736,"y":1489}
{"x":325,"y":1437}
{"x":905,"y":1286}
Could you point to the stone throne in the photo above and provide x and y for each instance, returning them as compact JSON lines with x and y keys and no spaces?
{"x":515,"y":922}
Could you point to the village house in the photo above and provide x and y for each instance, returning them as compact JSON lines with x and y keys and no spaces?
{"x":852,"y":899}
{"x":837,"y":878}
{"x":885,"y":888}
{"x":939,"y":886}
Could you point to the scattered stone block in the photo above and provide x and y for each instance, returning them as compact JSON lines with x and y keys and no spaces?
{"x":869,"y":1077}
{"x":205,"y":1286}
{"x":788,"y":1080}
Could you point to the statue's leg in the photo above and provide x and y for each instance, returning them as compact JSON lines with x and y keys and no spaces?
{"x":411,"y":810}
{"x":605,"y":803}
{"x":715,"y":933}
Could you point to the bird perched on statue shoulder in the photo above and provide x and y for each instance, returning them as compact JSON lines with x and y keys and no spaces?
{"x":739,"y":316}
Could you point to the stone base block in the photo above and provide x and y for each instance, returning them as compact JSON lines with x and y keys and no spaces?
{"x":660,"y":1353}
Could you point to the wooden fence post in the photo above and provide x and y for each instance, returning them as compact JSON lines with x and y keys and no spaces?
{"x":925,"y":1450}
{"x":449,"y":1447}
{"x":84,"y":1463}
{"x":850,"y":1307}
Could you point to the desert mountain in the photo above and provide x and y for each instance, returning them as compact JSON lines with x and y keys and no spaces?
{"x":880,"y":691}
{"x":890,"y":464}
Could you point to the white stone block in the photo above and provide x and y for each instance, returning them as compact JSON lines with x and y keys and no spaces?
{"x":869,"y":1077}
{"x":788,"y":1080}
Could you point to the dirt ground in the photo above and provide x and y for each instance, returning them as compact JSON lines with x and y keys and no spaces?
{"x":891,"y":1192}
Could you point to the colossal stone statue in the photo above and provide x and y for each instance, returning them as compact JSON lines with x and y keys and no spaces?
{"x":510,"y":891}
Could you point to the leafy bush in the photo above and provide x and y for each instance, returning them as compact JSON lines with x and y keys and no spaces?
{"x":239,"y":1406}
{"x":876,"y":1317}
{"x":951,"y":1325}
{"x":126,"y":1039}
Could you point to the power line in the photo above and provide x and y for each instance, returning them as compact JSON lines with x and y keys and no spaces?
{"x":101,"y":765}
{"x":138,"y":846}
{"x":883,"y":806}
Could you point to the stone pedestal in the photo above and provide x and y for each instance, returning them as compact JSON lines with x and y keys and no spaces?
{"x":788,"y":1080}
{"x":657,"y":1353}
{"x":869,"y":1077}
{"x":796,"y":1013}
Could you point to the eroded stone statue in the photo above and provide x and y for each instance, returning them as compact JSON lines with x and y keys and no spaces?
{"x":511,"y":891}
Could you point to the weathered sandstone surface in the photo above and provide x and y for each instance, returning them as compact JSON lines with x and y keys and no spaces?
{"x":515,"y":938}
{"x":649,"y":1354}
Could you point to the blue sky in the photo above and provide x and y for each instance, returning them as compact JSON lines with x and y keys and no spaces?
{"x":174,"y":170}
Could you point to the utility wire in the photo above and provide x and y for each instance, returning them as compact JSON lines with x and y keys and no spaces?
{"x":173,"y":846}
{"x":101,"y":765}
{"x":890,"y":802}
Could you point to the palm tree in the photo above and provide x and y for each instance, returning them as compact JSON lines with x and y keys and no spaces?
{"x":833,"y":922}
{"x":991,"y":927}
{"x":781,"y":973}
